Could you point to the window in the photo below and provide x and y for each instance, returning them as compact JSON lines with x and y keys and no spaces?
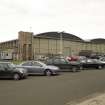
{"x":36,"y":64}
{"x":27,"y":64}
{"x":7,"y":54}
{"x":50,"y":61}
{"x":3,"y":66}
{"x":57,"y":61}
{"x":63,"y":61}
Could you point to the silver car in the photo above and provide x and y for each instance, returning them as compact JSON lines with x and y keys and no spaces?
{"x":37,"y":67}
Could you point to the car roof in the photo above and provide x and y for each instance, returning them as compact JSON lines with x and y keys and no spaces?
{"x":5,"y":62}
{"x":31,"y":61}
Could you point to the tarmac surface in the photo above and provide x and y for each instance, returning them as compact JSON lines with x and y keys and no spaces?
{"x":66,"y":89}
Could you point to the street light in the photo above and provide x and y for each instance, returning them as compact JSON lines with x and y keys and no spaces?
{"x":61,"y":42}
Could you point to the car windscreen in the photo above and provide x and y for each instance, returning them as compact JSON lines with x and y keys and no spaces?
{"x":11,"y":65}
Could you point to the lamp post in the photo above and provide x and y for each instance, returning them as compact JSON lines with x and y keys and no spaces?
{"x":61,"y":42}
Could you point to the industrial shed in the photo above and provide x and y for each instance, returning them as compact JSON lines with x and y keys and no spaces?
{"x":31,"y":46}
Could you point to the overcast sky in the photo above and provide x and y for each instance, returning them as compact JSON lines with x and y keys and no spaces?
{"x":83,"y":18}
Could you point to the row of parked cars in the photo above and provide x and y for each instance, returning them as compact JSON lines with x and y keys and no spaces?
{"x":50,"y":67}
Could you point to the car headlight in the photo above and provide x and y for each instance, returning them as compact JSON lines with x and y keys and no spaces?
{"x":21,"y":71}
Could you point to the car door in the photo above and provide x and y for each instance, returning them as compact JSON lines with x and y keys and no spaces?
{"x":62,"y":64}
{"x":5,"y":71}
{"x":37,"y":68}
{"x":2,"y":71}
{"x":89,"y":64}
{"x":65,"y":65}
{"x":28,"y":66}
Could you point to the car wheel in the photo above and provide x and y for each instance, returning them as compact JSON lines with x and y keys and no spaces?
{"x":16,"y":76}
{"x":99,"y":67}
{"x":48,"y":73}
{"x":81,"y":67}
{"x":74,"y":69}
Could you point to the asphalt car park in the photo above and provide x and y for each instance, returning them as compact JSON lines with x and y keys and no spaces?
{"x":52,"y":90}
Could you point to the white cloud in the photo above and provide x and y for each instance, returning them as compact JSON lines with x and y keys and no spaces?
{"x":84,"y":18}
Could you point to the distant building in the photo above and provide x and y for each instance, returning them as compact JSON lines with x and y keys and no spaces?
{"x":29,"y":46}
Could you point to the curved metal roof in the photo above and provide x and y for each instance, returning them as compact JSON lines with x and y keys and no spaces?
{"x":98,"y":40}
{"x":57,"y":35}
